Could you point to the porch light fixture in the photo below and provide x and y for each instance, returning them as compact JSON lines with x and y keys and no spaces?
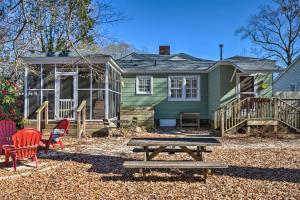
{"x":264,"y":85}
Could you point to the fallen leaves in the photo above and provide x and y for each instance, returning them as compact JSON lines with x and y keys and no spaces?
{"x":92,"y":169}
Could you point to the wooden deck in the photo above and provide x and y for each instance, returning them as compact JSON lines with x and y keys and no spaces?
{"x":254,"y":111}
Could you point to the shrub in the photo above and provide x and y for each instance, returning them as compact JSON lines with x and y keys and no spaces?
{"x":10,"y":102}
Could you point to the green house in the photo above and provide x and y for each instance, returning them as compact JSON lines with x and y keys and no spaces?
{"x":156,"y":88}
{"x":172,"y":84}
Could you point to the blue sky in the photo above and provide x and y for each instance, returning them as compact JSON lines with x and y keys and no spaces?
{"x":195,"y":27}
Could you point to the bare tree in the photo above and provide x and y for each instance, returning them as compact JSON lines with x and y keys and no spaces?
{"x":45,"y":25}
{"x":275,"y":30}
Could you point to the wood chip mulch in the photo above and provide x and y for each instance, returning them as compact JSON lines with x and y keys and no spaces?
{"x":92,"y":169}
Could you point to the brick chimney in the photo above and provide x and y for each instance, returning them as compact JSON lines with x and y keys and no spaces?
{"x":164,"y":50}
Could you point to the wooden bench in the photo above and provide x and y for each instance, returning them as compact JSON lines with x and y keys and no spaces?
{"x":195,"y":114}
{"x":169,"y":150}
{"x":174,"y":164}
{"x":208,"y":165}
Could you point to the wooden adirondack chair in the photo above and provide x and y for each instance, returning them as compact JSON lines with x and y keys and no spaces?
{"x":63,"y":125}
{"x":7,"y":129}
{"x":25,"y":144}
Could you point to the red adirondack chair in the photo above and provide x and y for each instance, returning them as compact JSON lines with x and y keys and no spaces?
{"x":63,"y":125}
{"x":25,"y":144}
{"x":7,"y":129}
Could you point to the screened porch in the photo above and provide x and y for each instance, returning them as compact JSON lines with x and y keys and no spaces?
{"x":66,"y":82}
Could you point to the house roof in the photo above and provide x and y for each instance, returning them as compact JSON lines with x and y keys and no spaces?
{"x":138,"y":63}
{"x":253,"y":64}
{"x":287,"y":69}
{"x":163,"y":63}
{"x":69,"y":53}
{"x":74,"y":57}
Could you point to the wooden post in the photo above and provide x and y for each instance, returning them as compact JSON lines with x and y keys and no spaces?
{"x":78,"y":124}
{"x":47,"y":113}
{"x":248,"y":115}
{"x":275,"y":109}
{"x":275,"y":115}
{"x":84,"y":120}
{"x":38,"y":121}
{"x":181,"y":120}
{"x":215,"y":119}
{"x":222,"y":123}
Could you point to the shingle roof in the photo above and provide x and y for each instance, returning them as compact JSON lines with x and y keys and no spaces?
{"x":69,"y":53}
{"x":153,"y":62}
{"x":253,"y":64}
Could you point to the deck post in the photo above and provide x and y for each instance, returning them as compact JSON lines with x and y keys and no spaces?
{"x":222,"y":123}
{"x":275,"y":128}
{"x":47,"y":114}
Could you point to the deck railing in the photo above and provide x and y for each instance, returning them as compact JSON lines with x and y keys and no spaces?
{"x":66,"y":108}
{"x":81,"y":119}
{"x":253,"y":108}
{"x":43,"y":109}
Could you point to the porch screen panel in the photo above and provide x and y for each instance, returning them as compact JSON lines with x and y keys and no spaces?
{"x":98,"y":104}
{"x":48,"y":87}
{"x":114,"y":92}
{"x":34,"y":77}
{"x":85,"y":95}
{"x":98,"y":92}
{"x":84,"y":87}
{"x":34,"y":102}
{"x":49,"y":95}
{"x":84,"y":74}
{"x":48,"y":75}
{"x":33,"y":90}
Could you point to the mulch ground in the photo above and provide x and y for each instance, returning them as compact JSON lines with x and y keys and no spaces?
{"x":259,"y":168}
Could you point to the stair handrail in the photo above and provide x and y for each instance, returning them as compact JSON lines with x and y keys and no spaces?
{"x":44,"y":107}
{"x":273,"y":108}
{"x":287,"y":114}
{"x":218,"y":112}
{"x":81,"y":119}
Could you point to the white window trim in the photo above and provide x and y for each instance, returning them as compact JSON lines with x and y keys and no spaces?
{"x":184,"y":77}
{"x":137,"y":85}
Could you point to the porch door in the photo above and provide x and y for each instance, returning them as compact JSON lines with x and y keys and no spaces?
{"x":66,"y":104}
{"x":246,"y":87}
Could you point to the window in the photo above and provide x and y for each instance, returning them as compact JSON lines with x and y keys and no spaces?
{"x":144,"y":84}
{"x":293,"y":87}
{"x":184,"y":88}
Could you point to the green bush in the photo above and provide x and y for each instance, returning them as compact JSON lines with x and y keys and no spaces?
{"x":10,"y":102}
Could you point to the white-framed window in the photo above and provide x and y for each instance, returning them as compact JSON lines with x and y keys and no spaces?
{"x":184,"y":88}
{"x":144,"y":85}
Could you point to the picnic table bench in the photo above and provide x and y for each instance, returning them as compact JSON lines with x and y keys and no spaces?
{"x":195,"y":147}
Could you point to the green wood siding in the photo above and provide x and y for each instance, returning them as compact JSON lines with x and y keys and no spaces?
{"x":227,"y":87}
{"x":264,"y":78}
{"x":221,"y":90}
{"x":159,"y":99}
{"x":213,"y":91}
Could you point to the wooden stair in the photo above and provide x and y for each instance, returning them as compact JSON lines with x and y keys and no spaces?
{"x":91,"y":128}
{"x":253,"y":111}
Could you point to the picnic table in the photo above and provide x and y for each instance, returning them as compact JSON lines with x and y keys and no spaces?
{"x":195,"y":147}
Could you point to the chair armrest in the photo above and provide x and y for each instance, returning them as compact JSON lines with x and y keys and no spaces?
{"x":8,"y":147}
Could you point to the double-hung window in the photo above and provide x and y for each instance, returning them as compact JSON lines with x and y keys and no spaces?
{"x":144,"y":85}
{"x":184,"y":88}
